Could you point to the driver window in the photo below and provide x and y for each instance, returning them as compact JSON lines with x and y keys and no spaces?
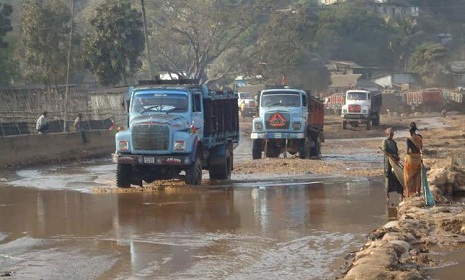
{"x":196,"y":106}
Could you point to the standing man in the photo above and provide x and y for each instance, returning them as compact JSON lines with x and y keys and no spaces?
{"x":391,"y":151}
{"x":42,"y":124}
{"x":243,"y":109}
{"x":77,"y":122}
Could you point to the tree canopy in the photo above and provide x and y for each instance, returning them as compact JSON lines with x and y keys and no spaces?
{"x":111,"y":52}
{"x":45,"y":41}
{"x":188,"y":37}
{"x":5,"y":23}
{"x":215,"y":40}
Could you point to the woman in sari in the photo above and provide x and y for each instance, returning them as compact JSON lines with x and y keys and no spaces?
{"x":392,"y":184}
{"x":412,"y":163}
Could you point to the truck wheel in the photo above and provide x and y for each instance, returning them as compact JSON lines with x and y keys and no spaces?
{"x":194,"y":173}
{"x":272,"y":151}
{"x":316,"y":150}
{"x":304,"y":150}
{"x":368,"y":124}
{"x":257,"y":149}
{"x":376,"y":120}
{"x":123,"y":176}
{"x":222,"y":171}
{"x":344,"y":124}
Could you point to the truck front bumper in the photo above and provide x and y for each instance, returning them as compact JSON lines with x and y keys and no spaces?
{"x":151,"y":159}
{"x":277,"y":135}
{"x":355,"y":116}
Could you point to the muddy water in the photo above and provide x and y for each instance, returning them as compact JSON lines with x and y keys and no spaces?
{"x":57,"y":223}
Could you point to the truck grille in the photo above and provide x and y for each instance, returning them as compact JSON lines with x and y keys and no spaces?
{"x":150,"y":137}
{"x":277,"y":121}
{"x":355,"y":108}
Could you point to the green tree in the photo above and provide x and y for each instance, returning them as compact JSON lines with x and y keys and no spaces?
{"x":403,"y":40}
{"x":5,"y":23}
{"x":8,"y":68}
{"x":348,"y":32}
{"x":45,"y":41}
{"x":427,"y":61}
{"x":112,"y":50}
{"x":190,"y":37}
{"x":285,"y":49}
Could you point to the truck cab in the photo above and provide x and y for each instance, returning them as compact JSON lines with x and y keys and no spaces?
{"x":361,"y":107}
{"x":289,"y":121}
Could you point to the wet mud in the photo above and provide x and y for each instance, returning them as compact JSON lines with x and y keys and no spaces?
{"x":71,"y":222}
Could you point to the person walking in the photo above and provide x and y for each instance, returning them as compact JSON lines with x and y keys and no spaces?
{"x":412,"y":162}
{"x":77,"y":122}
{"x":42,"y":124}
{"x":389,"y":146}
{"x":243,"y":109}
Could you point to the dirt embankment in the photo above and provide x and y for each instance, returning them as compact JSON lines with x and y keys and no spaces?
{"x":400,"y":249}
{"x":341,"y":146}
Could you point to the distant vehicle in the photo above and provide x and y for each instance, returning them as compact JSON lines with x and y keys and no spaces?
{"x":289,"y":121}
{"x":334,"y":102}
{"x":361,"y":107}
{"x":177,"y":128}
{"x":428,"y":100}
{"x":250,"y":104}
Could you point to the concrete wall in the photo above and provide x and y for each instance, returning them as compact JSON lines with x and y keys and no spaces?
{"x":55,"y":147}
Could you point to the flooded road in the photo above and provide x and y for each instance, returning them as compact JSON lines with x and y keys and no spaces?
{"x":57,"y":223}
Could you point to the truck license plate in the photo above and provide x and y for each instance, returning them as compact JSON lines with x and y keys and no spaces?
{"x":149,"y":160}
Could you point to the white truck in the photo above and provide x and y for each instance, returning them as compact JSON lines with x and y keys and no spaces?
{"x":361,"y":107}
{"x":250,"y":104}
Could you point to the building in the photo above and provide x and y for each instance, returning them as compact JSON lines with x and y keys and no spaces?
{"x":393,"y":8}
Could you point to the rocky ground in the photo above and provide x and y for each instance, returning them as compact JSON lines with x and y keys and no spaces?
{"x":399,"y":249}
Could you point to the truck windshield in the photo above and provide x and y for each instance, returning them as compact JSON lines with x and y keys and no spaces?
{"x":159,"y":102}
{"x":245,"y":95}
{"x":356,"y":96}
{"x":274,"y":100}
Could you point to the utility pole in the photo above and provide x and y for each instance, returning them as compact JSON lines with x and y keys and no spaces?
{"x":65,"y":126}
{"x":147,"y":40}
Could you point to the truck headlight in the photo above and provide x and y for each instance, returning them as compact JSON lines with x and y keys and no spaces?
{"x":123,"y":145}
{"x":258,"y":126}
{"x":179,"y":145}
{"x":296,"y":125}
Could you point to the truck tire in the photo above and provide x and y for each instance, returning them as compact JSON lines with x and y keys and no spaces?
{"x":222,"y":171}
{"x":344,"y":124}
{"x":272,"y":151}
{"x":123,"y":175}
{"x":194,"y":173}
{"x":368,"y":124}
{"x":304,"y":150}
{"x":316,"y":150}
{"x":257,"y":149}
{"x":376,"y":120}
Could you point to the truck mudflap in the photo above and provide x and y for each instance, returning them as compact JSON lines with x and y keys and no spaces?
{"x":277,"y":135}
{"x":152,"y":159}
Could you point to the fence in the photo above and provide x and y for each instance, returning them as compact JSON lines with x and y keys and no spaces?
{"x":20,"y":108}
{"x":24,"y":128}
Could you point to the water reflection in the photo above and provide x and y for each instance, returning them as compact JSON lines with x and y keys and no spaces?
{"x":291,"y":230}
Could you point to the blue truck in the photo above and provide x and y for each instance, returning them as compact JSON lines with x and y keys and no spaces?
{"x":176,"y":129}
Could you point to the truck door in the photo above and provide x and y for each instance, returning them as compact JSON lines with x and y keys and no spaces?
{"x":197,"y":112}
